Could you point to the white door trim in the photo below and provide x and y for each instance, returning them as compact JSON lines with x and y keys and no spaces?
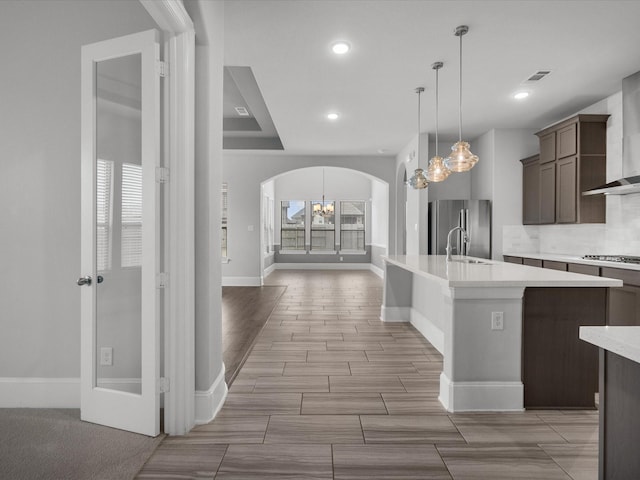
{"x":179,"y":304}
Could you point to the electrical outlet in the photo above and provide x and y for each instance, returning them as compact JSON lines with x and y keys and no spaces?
{"x":106,"y":356}
{"x":497,"y":320}
{"x":341,"y":259}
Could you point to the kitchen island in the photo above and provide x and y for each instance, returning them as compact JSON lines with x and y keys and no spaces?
{"x":508,"y":333}
{"x":619,"y":410}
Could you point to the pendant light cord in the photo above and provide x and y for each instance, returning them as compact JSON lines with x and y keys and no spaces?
{"x":460,"y":94}
{"x":418,"y":151}
{"x":437,"y":111}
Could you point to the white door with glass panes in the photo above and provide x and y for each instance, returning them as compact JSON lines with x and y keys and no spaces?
{"x":120,"y":234}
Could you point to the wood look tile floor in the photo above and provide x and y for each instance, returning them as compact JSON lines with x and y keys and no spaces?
{"x":328,"y":391}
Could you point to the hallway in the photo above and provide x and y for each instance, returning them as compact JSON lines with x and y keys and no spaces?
{"x":329,"y":391}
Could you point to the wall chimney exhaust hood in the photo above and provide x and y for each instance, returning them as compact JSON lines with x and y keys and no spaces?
{"x":623,"y":186}
{"x":630,"y":142}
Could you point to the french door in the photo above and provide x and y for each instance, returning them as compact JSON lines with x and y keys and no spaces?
{"x":120,"y":233}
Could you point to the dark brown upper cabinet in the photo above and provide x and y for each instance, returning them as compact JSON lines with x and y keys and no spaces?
{"x":531,"y":190}
{"x":573,"y":158}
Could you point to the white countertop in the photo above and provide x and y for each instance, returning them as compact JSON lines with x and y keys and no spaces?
{"x":623,"y":341}
{"x":575,"y":259}
{"x":493,"y":273}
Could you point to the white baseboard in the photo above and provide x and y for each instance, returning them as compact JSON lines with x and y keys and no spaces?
{"x":241,"y":281}
{"x":428,"y":329}
{"x":395,"y":314}
{"x":377,"y":270}
{"x":481,"y":396}
{"x":209,"y":403}
{"x":269,"y":270}
{"x":322,"y":266}
{"x":29,"y":392}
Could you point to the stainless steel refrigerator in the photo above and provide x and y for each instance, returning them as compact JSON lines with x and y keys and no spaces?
{"x":472,"y":215}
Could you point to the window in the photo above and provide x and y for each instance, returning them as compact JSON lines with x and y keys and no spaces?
{"x":131,"y":240}
{"x":292,"y":225}
{"x":323,"y":226}
{"x":352,"y":219}
{"x":267,"y":224}
{"x":104,"y":214}
{"x":225,"y":209}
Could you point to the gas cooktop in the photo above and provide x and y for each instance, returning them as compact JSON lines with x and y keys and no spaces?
{"x":613,"y":258}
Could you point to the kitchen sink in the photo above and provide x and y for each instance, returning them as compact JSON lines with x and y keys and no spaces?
{"x":471,"y":260}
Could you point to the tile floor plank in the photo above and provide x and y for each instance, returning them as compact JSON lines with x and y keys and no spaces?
{"x":365,"y":383}
{"x":321,"y":429}
{"x":276,"y":462}
{"x":249,"y":404}
{"x":342,"y":404}
{"x":503,"y":462}
{"x":413,"y":429}
{"x":388,"y":462}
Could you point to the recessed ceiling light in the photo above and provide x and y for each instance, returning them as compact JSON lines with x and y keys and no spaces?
{"x":332,"y":116}
{"x":521,"y":95}
{"x":340,"y":48}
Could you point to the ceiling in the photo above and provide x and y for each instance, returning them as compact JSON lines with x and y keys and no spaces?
{"x":588,"y":46}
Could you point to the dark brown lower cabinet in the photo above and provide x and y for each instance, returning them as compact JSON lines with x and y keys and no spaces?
{"x":624,"y":302}
{"x":558,"y":369}
{"x":532,"y":262}
{"x":511,"y":259}
{"x":619,"y":418}
{"x":553,"y":265}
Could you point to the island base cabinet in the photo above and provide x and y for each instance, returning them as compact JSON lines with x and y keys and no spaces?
{"x":558,"y":369}
{"x":619,"y":417}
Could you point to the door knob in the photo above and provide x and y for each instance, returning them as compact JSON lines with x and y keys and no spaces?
{"x":84,"y":280}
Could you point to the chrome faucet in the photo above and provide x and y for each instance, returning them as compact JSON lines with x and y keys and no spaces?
{"x":465,"y":239}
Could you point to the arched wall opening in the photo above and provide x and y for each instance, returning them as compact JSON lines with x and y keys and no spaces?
{"x":353,"y":235}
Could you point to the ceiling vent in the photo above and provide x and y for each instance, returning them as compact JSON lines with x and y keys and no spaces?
{"x":539,"y":75}
{"x":243,"y":112}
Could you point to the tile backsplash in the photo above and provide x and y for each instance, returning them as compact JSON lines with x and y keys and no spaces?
{"x":620,"y":235}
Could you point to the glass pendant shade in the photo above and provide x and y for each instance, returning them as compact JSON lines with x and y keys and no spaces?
{"x":461,"y":158}
{"x":418,"y":180}
{"x":437,"y":171}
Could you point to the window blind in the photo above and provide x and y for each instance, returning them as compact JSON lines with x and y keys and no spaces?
{"x":104,"y":213}
{"x":131,"y":241}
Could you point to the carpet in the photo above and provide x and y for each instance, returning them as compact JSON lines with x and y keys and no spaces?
{"x":55,"y":444}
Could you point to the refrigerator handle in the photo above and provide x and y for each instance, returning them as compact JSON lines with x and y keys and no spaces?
{"x":459,"y":236}
{"x":467,"y":245}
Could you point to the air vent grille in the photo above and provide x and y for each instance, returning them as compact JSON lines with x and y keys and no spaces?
{"x":243,"y":112}
{"x":539,"y":75}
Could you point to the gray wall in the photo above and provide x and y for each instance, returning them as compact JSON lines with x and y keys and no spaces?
{"x":40,"y":176}
{"x":208,"y":185}
{"x":498,"y":177}
{"x":244,"y":172}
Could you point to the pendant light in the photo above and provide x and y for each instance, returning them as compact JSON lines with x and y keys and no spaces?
{"x":437,"y":171}
{"x":324,"y":209}
{"x":461,"y":158}
{"x":418,"y":180}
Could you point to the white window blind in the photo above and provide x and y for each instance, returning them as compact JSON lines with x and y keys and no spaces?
{"x":131,"y":242}
{"x":104,"y":213}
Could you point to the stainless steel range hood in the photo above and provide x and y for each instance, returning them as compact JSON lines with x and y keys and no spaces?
{"x":630,"y":142}
{"x":623,"y":186}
